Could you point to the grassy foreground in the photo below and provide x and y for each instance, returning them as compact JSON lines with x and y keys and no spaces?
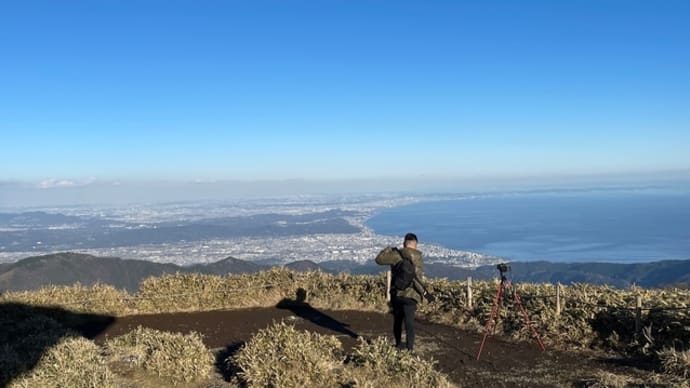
{"x":591,"y":317}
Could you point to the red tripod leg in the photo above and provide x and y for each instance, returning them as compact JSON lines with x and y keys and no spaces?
{"x":494,"y":310}
{"x":501,"y":290}
{"x":524,"y":313}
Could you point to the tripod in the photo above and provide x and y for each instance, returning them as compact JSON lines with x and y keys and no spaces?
{"x":505,"y":285}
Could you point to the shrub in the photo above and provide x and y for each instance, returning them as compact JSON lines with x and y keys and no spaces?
{"x":73,"y":362}
{"x":675,"y":362}
{"x":173,"y":356}
{"x":24,"y":335}
{"x":281,"y":356}
{"x":98,"y":299}
{"x":195,"y":292}
{"x":589,"y":318}
{"x":378,"y":363}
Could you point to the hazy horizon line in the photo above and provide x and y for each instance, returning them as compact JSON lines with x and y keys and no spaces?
{"x":57,"y":182}
{"x":65,"y":192}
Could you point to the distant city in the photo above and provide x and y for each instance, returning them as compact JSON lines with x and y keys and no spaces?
{"x":267,"y":231}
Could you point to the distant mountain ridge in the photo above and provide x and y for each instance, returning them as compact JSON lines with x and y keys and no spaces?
{"x":304,"y":266}
{"x":226,"y":266}
{"x":69,"y":268}
{"x":655,"y":274}
{"x":37,"y":219}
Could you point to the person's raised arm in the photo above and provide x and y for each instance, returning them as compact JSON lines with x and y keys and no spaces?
{"x":388,"y":256}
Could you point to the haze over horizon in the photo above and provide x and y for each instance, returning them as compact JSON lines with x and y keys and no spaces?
{"x":107,"y":101}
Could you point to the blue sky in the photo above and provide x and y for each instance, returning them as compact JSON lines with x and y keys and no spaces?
{"x":256,"y":90}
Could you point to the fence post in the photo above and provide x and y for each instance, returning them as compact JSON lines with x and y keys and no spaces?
{"x":469,"y":292}
{"x":388,"y":285}
{"x":558,"y":299}
{"x":638,"y":313}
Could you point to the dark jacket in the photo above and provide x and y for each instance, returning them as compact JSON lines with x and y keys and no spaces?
{"x":389,"y":256}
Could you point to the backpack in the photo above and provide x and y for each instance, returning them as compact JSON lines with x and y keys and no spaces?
{"x":403,"y":273}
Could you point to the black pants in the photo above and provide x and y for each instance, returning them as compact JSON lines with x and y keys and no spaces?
{"x":403,"y":310}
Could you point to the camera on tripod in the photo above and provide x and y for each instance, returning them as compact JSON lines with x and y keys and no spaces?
{"x":505,"y":288}
{"x":503,"y":268}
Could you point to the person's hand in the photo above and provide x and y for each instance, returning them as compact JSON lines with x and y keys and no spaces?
{"x":429,"y":297}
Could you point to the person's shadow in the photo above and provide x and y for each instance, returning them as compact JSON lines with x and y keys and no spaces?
{"x":27,"y":332}
{"x":302,"y":309}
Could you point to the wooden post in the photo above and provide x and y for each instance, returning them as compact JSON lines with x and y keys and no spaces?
{"x":558,"y":299}
{"x":469,"y":292}
{"x":388,"y":285}
{"x":638,"y":314}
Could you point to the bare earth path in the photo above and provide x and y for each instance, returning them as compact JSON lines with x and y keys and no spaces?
{"x":503,"y":363}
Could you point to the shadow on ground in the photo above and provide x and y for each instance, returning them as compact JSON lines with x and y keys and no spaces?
{"x":228,"y":369}
{"x":27,"y":332}
{"x":302,"y":309}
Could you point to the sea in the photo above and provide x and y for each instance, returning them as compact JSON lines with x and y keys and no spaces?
{"x":590,"y":226}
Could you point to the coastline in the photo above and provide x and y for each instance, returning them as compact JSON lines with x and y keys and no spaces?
{"x":603,"y":226}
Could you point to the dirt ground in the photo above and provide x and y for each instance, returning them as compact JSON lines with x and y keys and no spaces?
{"x":502,"y":364}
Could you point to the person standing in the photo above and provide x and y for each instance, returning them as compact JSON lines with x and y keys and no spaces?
{"x":404,"y":301}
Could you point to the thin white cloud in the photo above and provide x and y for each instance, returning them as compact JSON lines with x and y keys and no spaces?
{"x":59,"y":183}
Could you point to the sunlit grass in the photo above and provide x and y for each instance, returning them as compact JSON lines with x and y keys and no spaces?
{"x":173,"y":357}
{"x":281,"y":356}
{"x":598,"y":317}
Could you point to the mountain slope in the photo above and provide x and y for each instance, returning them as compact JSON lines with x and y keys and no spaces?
{"x":656,"y":274}
{"x":303,"y":266}
{"x":226,"y":266}
{"x":69,"y":268}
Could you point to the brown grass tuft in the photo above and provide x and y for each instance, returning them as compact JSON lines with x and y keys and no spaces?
{"x":281,"y":356}
{"x":73,"y":362}
{"x":675,"y":362}
{"x":378,"y":363}
{"x":172,"y":356}
{"x":97,"y":299}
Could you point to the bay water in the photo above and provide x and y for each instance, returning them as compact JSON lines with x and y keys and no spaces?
{"x":617,"y":226}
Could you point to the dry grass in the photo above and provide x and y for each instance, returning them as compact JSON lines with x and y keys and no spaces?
{"x":193,"y":292}
{"x":604,"y":379}
{"x":344,"y":291}
{"x":607,"y":379}
{"x":281,"y":356}
{"x":592,"y":317}
{"x":173,"y":357}
{"x":97,"y":299}
{"x":590,"y":314}
{"x":379,"y":364}
{"x":24,"y":336}
{"x":675,"y":362}
{"x":72,"y":362}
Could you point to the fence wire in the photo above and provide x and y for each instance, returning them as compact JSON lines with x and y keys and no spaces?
{"x":166,"y":296}
{"x":569,"y":302}
{"x":565,"y":302}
